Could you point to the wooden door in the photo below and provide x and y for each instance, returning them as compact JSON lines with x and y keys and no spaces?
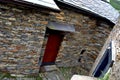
{"x":52,"y":48}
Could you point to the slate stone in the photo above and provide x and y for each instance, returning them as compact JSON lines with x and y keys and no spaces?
{"x":22,"y":33}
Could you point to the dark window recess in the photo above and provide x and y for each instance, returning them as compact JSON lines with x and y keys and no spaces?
{"x":104,"y":64}
{"x":81,"y":53}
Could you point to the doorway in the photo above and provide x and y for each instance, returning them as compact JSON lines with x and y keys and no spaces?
{"x":53,"y":44}
{"x":105,"y":63}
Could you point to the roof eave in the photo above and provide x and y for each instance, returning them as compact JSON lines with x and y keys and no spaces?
{"x":27,"y":4}
{"x":86,"y":11}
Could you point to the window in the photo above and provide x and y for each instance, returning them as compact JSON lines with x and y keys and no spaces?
{"x":105,"y":63}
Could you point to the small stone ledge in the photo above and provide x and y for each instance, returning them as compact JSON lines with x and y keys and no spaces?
{"x":51,"y":72}
{"x":48,"y":68}
{"x":81,"y":77}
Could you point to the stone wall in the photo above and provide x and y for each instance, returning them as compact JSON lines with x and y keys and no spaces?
{"x":22,"y":33}
{"x":21,"y":36}
{"x":89,"y":37}
{"x":115,"y":38}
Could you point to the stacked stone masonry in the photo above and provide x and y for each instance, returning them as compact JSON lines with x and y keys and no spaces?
{"x":22,"y":32}
{"x":114,"y":37}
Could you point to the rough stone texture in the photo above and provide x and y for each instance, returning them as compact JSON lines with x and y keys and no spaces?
{"x":96,"y":6}
{"x":115,"y":37}
{"x":52,"y":75}
{"x":22,"y":35}
{"x":90,"y":36}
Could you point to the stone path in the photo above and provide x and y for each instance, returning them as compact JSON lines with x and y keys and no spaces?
{"x":51,"y":72}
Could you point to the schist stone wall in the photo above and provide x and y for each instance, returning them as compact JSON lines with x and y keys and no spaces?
{"x":115,"y":36}
{"x":21,"y":36}
{"x":22,"y":33}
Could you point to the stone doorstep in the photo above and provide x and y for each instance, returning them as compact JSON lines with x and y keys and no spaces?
{"x":81,"y":77}
{"x":50,"y":72}
{"x":15,"y":75}
{"x":48,"y":68}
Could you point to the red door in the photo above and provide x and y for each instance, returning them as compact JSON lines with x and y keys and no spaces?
{"x":52,"y":48}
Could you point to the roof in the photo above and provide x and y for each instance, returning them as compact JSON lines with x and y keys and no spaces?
{"x":47,"y":4}
{"x":98,"y":7}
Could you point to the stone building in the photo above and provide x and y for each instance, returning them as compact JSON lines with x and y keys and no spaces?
{"x":115,"y":49}
{"x":25,"y":28}
{"x":116,"y":39}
